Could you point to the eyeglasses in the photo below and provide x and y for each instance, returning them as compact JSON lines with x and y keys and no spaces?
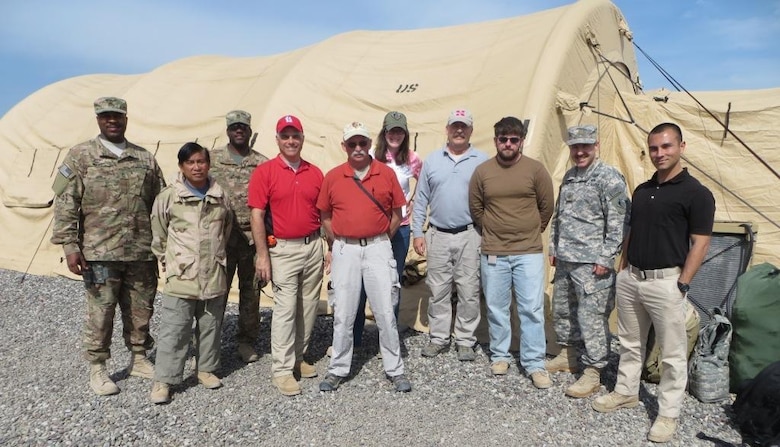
{"x":287,"y":136}
{"x":513,"y":140}
{"x":354,"y":144}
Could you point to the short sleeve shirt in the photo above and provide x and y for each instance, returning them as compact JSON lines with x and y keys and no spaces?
{"x":664,"y":216}
{"x":355,"y":215}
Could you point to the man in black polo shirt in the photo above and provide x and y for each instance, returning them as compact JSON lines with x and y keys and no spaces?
{"x":670,"y":229}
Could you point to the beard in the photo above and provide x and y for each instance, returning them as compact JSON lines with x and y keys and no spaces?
{"x":509,"y":156}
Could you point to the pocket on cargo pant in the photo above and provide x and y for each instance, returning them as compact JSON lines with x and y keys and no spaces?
{"x":395,"y":284}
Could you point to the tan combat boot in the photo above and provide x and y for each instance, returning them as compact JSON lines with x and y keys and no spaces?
{"x":287,"y":385}
{"x":161,"y":393}
{"x":587,"y":385}
{"x":305,"y":370}
{"x":209,"y":380}
{"x":565,"y":361}
{"x":140,"y":366}
{"x":99,"y":381}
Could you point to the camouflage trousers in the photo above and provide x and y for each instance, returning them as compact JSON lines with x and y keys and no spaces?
{"x":132,"y":285}
{"x":241,"y":258}
{"x":581,"y":305}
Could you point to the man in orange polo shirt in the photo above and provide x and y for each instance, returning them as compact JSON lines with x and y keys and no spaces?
{"x":289,"y":186}
{"x":360,"y":204}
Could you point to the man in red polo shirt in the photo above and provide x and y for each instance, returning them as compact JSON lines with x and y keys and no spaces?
{"x":289,"y":186}
{"x":360,"y":204}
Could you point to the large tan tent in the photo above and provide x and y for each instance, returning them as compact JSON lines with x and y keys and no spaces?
{"x":560,"y":67}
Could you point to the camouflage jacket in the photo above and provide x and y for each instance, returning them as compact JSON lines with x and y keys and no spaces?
{"x":590,"y":217}
{"x":103,"y":202}
{"x":190,"y":235}
{"x":234,"y":179}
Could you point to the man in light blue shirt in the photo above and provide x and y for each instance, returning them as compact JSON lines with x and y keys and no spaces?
{"x":451,"y":242}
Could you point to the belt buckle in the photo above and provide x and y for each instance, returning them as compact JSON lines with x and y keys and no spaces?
{"x":306,"y":240}
{"x":363,"y":241}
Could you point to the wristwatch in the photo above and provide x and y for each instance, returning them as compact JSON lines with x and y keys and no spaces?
{"x":684,"y":287}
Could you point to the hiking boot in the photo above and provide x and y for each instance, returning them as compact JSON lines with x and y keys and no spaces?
{"x":541,"y":379}
{"x":247,"y":353}
{"x":140,"y":366}
{"x":499,"y":368}
{"x":614,"y":401}
{"x":432,"y":349}
{"x":161,"y":393}
{"x":331,"y":382}
{"x":99,"y":381}
{"x":662,"y":429}
{"x":287,"y":385}
{"x":587,"y":385}
{"x":305,"y":370}
{"x":401,"y":383}
{"x":466,"y":353}
{"x":209,"y":380}
{"x":565,"y":361}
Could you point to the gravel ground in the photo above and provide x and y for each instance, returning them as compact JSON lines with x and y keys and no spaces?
{"x":45,"y":398}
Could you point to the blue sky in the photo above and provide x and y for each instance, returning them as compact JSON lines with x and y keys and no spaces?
{"x":704,"y":44}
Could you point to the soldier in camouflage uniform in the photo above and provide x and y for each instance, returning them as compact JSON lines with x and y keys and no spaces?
{"x":233,"y":166}
{"x":585,"y":237}
{"x":105,"y":190}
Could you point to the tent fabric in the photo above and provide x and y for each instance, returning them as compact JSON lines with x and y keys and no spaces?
{"x":541,"y":67}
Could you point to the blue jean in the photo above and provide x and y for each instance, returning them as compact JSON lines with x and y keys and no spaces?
{"x":524,"y":274}
{"x":400,"y":243}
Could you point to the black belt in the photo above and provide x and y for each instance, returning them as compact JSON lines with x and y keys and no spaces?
{"x":364,"y":241}
{"x":455,"y":230}
{"x":654,"y":273}
{"x":313,"y":236}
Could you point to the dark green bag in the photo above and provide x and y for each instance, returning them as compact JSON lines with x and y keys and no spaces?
{"x":756,"y":322}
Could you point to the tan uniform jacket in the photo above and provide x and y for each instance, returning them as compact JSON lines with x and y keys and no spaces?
{"x":190,"y":235}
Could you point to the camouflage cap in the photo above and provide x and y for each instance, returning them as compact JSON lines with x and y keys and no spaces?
{"x":582,"y":135}
{"x":110,"y":104}
{"x":238,"y":117}
{"x":393,"y":120}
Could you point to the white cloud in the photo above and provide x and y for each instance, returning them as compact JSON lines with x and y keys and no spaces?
{"x":752,"y":33}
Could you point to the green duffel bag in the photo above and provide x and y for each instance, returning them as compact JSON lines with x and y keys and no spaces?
{"x":755,"y":318}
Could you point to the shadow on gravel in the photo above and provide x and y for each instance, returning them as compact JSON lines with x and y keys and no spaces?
{"x":717,"y":442}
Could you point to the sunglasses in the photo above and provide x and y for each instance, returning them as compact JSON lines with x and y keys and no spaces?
{"x":354,"y":144}
{"x":237,"y":126}
{"x":513,"y":140}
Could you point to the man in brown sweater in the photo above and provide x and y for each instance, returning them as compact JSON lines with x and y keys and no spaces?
{"x":511,"y":200}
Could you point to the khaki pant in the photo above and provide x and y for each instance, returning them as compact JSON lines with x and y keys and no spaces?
{"x":176,"y":331}
{"x":296,"y":272}
{"x":640,"y":304}
{"x":453,"y":259}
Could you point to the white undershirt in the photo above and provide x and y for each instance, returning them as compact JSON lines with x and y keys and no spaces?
{"x":293,"y":166}
{"x":115,"y":149}
{"x":362,"y":173}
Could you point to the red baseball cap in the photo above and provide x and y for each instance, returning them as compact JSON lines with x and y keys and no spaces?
{"x":289,"y":121}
